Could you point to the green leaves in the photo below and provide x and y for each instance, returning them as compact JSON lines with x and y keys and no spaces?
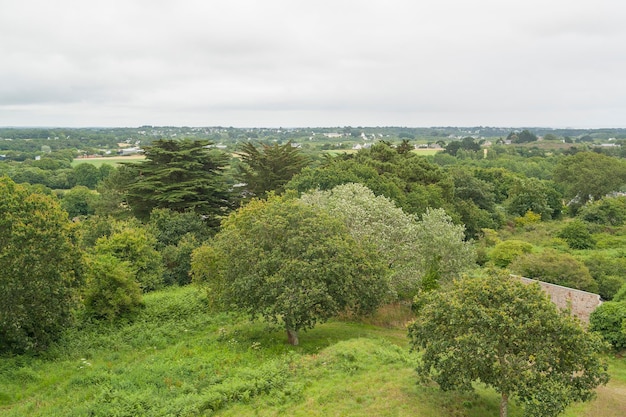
{"x":182,"y":176}
{"x":40,"y":267}
{"x":290,"y":263}
{"x":509,"y":336}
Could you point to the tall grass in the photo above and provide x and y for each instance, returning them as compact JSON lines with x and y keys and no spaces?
{"x":178,"y":359}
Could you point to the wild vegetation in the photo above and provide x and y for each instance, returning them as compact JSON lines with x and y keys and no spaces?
{"x":161,"y":286}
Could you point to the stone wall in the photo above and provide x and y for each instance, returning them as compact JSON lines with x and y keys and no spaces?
{"x":582,"y":303}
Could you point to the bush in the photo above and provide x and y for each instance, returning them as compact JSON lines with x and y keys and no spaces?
{"x":609,"y":319}
{"x":556,"y":268}
{"x":136,"y":246}
{"x":577,"y":235}
{"x":610,"y":273}
{"x":112,"y":291}
{"x":505,"y":252}
{"x":40,"y":267}
{"x":610,"y":211}
{"x":177,"y":260}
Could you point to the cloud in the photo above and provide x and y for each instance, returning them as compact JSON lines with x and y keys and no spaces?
{"x":280,"y":62}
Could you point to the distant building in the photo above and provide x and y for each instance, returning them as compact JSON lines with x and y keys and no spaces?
{"x":130,"y":151}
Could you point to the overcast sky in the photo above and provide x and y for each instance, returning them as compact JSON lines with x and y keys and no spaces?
{"x":292,"y":63}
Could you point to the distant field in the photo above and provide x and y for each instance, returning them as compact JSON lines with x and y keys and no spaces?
{"x":112,"y":160}
{"x":351,"y":151}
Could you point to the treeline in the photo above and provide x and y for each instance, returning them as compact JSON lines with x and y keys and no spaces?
{"x":179,"y":197}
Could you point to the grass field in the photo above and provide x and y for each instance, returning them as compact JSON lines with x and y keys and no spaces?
{"x":178,"y":359}
{"x":112,"y":160}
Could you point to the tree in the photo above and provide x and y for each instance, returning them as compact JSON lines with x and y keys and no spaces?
{"x":87,"y":175}
{"x":532,"y":194}
{"x":270,"y":167}
{"x":577,"y":235}
{"x":180,"y":175}
{"x":511,"y":337}
{"x":79,"y":201}
{"x":505,"y":252}
{"x":40,"y":268}
{"x":556,"y":268}
{"x":525,"y":136}
{"x":135,"y":245}
{"x":292,"y":263}
{"x":111,"y":289}
{"x":609,"y":320}
{"x":411,"y":248}
{"x":610,"y":211}
{"x":589,"y":176}
{"x":378,"y":221}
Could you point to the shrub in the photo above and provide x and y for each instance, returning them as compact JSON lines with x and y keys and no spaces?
{"x":40,"y":267}
{"x":112,"y":291}
{"x":609,"y":272}
{"x":556,"y":268}
{"x":609,"y":319}
{"x":609,"y":211}
{"x":177,"y":260}
{"x":505,"y":252}
{"x":136,"y":246}
{"x":577,"y":235}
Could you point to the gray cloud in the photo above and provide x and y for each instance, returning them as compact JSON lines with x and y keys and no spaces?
{"x":290,"y":63}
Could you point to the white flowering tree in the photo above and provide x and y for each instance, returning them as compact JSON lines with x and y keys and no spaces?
{"x":412,"y":249}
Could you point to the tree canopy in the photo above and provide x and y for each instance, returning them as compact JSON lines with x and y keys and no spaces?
{"x":269,"y":167}
{"x":39,"y":268}
{"x":292,"y":263}
{"x":589,"y":176}
{"x":181,"y":175}
{"x":511,"y":337}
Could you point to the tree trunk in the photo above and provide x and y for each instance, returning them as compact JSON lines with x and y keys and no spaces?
{"x":292,"y":336}
{"x":504,"y":405}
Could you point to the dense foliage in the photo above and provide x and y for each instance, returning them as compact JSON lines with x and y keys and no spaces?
{"x":291,"y":263}
{"x":40,"y":268}
{"x":511,"y":337}
{"x":181,"y":176}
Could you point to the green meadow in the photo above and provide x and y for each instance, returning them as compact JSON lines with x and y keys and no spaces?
{"x":177,"y":358}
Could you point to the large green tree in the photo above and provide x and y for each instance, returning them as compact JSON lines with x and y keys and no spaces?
{"x":269,"y":167}
{"x":181,"y":175}
{"x":290,"y":263}
{"x":589,"y":176}
{"x":511,"y":337}
{"x":39,"y":268}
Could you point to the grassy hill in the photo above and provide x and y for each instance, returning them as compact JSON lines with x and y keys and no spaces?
{"x":177,"y":359}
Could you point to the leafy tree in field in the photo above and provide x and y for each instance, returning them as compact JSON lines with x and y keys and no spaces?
{"x":87,"y":175}
{"x":577,"y":235}
{"x":524,"y":136}
{"x":444,"y":253}
{"x":181,"y":176}
{"x":39,"y":268}
{"x":532,"y":194}
{"x":111,"y":289}
{"x":270,"y":167}
{"x":610,"y":211}
{"x":292,"y":263}
{"x":511,"y":337}
{"x":169,"y":227}
{"x":608,"y":271}
{"x":112,"y":191}
{"x":609,"y":319}
{"x":589,"y":176}
{"x":505,"y":252}
{"x":409,"y":247}
{"x":556,"y":268}
{"x":378,"y":221}
{"x":79,"y":201}
{"x":135,"y":245}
